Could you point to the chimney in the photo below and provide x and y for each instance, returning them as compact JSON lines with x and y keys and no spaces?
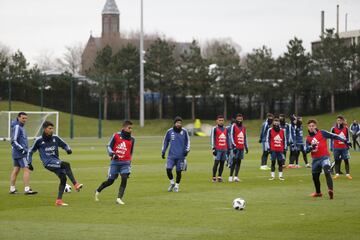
{"x":346,"y":18}
{"x":337,"y":19}
{"x":322,"y":23}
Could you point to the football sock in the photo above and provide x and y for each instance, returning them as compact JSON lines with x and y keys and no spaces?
{"x":272,"y":174}
{"x":237,"y":167}
{"x":280,"y":162}
{"x":27,"y":188}
{"x":62,"y":185}
{"x":169,"y":174}
{"x":347,"y":166}
{"x":273,"y":162}
{"x":12,"y":188}
{"x":178,"y":177}
{"x":305,"y":157}
{"x":316,"y":180}
{"x":337,"y":166}
{"x":264,"y":158}
{"x":216,"y":164}
{"x":328,"y":177}
{"x":221,"y":168}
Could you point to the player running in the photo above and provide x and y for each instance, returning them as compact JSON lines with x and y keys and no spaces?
{"x":220,"y":147}
{"x":264,"y":129}
{"x":120,"y":148}
{"x":316,"y":143}
{"x":239,"y":144}
{"x":179,"y":141}
{"x":276,"y":144}
{"x":19,"y":145}
{"x":48,"y":145}
{"x":339,"y":148}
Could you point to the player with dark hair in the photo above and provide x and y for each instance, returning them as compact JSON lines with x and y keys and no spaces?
{"x":263,"y":133}
{"x":276,"y":144}
{"x":48,"y":145}
{"x":239,"y":144}
{"x":178,"y":139}
{"x":19,"y":145}
{"x":316,"y":143}
{"x":339,"y":148}
{"x":120,"y":148}
{"x":220,"y":147}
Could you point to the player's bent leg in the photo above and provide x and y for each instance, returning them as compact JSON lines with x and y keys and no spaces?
{"x":329,"y":182}
{"x":59,"y":201}
{"x":69,"y":173}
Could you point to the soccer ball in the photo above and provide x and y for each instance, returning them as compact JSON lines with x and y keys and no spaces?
{"x":239,"y":204}
{"x":67,"y":188}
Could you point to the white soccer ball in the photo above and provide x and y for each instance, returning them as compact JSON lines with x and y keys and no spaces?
{"x":67,"y":188}
{"x":239,"y":204}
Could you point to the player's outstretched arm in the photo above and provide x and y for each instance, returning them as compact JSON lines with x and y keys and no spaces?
{"x":333,"y":136}
{"x":63,"y":145}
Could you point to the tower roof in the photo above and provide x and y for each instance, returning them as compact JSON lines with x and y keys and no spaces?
{"x":110,"y":7}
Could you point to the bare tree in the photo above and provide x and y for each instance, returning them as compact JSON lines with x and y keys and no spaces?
{"x":46,"y":60}
{"x":71,"y":60}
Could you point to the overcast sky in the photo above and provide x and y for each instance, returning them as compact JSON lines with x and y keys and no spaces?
{"x":38,"y":26}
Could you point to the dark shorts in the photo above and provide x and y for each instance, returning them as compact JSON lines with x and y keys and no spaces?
{"x":175,"y":162}
{"x":121,"y":167}
{"x":300,"y":147}
{"x":341,"y":154}
{"x":319,"y":164}
{"x":20,"y":162}
{"x":277,"y":156}
{"x":220,"y":155}
{"x":55,"y":167}
{"x":239,"y":154}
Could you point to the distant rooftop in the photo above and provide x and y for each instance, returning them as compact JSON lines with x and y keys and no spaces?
{"x":110,"y":7}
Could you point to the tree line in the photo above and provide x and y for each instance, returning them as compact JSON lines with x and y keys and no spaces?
{"x":215,"y":78}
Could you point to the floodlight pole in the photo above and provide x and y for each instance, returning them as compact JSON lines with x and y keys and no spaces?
{"x":9,"y":93}
{"x":141,"y":66}
{"x":72,"y":107}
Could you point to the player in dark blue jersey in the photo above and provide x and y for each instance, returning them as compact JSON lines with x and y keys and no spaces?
{"x":48,"y":147}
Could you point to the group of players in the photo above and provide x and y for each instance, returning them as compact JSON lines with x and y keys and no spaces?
{"x":228,"y":145}
{"x":277,"y":137}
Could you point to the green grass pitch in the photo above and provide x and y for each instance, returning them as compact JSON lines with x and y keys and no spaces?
{"x":201,"y":210}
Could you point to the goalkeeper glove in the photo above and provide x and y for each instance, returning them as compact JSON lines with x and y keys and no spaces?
{"x":69,"y":151}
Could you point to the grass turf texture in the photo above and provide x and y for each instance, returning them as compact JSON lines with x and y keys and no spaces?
{"x":201,"y":210}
